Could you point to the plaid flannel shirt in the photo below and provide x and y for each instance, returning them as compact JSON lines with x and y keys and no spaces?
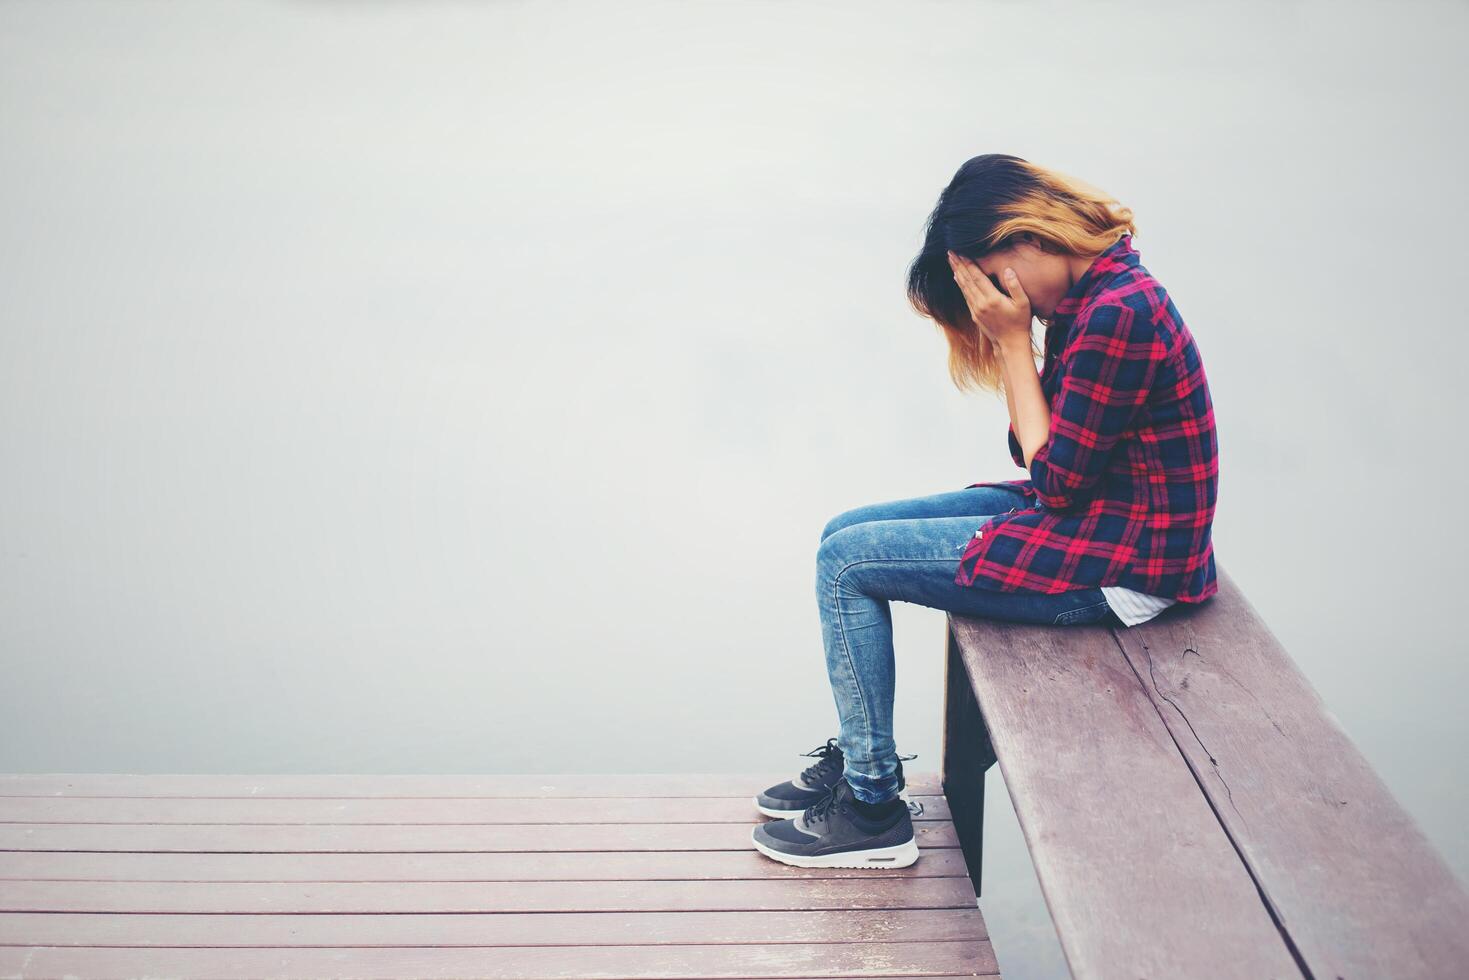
{"x":1124,"y":490}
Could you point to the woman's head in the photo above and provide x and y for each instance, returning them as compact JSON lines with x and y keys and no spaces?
{"x":1003,"y":211}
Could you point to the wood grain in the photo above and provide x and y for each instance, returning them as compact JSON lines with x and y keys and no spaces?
{"x":1357,"y":886}
{"x":389,"y":786}
{"x":403,"y":897}
{"x":578,"y":962}
{"x":523,"y":838}
{"x":525,"y":876}
{"x":704,"y":865}
{"x":1139,"y":877}
{"x":504,"y":810}
{"x":492,"y":929}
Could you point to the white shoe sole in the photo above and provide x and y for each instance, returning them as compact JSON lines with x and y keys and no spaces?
{"x":782,"y":814}
{"x":897,"y":856}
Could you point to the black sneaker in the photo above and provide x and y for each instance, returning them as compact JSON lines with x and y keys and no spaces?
{"x":832,"y":833}
{"x":789,"y":798}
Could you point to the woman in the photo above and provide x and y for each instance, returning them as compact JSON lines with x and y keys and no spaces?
{"x":1111,"y":526}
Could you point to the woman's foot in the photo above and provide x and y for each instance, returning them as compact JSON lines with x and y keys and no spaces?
{"x":839,"y":831}
{"x":789,"y":798}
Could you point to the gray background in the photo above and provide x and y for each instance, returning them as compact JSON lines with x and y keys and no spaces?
{"x":462,"y":388}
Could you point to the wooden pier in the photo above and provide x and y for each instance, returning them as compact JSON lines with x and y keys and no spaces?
{"x":626,"y":876}
{"x":1191,"y":807}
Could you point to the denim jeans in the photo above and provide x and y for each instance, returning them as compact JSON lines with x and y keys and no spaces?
{"x":909,"y":550}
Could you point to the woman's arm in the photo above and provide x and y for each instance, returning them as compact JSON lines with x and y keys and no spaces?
{"x":1030,"y":415}
{"x":1107,"y":371}
{"x":1009,"y":394}
{"x":1006,"y":320}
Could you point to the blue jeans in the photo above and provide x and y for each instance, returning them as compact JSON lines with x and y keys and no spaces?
{"x":909,"y":550}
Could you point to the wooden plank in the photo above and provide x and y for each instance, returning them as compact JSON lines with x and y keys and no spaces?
{"x":1358,"y":886}
{"x":962,"y":957}
{"x":474,"y":896}
{"x":131,"y":876}
{"x":389,"y":866}
{"x":1136,"y":871}
{"x":517,"y":838}
{"x":553,"y":786}
{"x":236,"y":810}
{"x":495,"y":929}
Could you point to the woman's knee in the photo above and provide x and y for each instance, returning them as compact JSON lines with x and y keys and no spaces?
{"x":838,"y":555}
{"x":834,"y":525}
{"x":838,"y":542}
{"x":849,"y":545}
{"x":847,"y":518}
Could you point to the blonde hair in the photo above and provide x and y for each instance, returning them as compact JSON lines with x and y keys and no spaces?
{"x":995,"y":201}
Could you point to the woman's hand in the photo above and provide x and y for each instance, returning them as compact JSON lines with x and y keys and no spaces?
{"x":1004,"y":319}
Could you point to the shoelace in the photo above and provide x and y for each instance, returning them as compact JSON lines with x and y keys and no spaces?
{"x":818,"y":811}
{"x":815,"y":772}
{"x":829,"y":753}
{"x":821,"y":808}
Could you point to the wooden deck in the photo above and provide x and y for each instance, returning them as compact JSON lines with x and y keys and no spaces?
{"x":456,"y":876}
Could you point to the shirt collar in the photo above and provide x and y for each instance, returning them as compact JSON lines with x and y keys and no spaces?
{"x":1118,"y":256}
{"x":1114,"y":258}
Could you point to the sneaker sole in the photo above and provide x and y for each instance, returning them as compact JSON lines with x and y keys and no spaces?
{"x":897,"y":856}
{"x":781,"y":814}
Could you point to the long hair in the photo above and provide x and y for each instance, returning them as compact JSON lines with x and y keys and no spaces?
{"x":995,"y":201}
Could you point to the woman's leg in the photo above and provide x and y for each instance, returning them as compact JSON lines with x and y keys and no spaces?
{"x":860,"y":567}
{"x":968,"y":502}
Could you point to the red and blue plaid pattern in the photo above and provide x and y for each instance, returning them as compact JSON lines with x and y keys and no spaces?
{"x":1127,"y":483}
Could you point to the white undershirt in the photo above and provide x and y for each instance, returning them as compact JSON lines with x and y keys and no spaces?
{"x":1133,"y":607}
